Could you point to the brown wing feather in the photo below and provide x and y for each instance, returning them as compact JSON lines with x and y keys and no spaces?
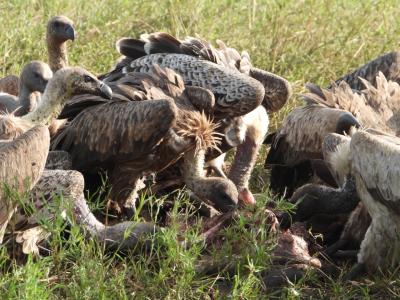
{"x":116,"y":131}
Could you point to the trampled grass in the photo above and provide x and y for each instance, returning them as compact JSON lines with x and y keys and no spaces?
{"x":303,"y":41}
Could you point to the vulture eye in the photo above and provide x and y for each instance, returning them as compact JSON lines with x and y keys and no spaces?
{"x":57,"y":24}
{"x":36,"y":75}
{"x":87,"y":78}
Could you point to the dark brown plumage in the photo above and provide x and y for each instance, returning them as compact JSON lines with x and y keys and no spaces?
{"x":133,"y":134}
{"x":277,"y":89}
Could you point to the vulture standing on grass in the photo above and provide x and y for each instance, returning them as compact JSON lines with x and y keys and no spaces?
{"x":33,"y":79}
{"x":60,"y":29}
{"x":152,"y":120}
{"x":174,"y":54}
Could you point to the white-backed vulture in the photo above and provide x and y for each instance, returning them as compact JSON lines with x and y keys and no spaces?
{"x":65,"y":83}
{"x":22,"y":162}
{"x":60,"y":29}
{"x":298,"y":144}
{"x":374,"y":162}
{"x":33,"y":79}
{"x":69,"y":185}
{"x":133,"y":134}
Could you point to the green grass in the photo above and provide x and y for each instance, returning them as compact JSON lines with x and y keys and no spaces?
{"x":303,"y":41}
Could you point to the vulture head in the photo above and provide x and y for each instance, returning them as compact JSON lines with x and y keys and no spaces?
{"x":60,"y":29}
{"x":74,"y":81}
{"x":35,"y":76}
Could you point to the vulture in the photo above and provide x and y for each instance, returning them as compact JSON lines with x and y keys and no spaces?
{"x":182,"y":57}
{"x":152,"y":120}
{"x":21,"y":165}
{"x":296,"y":149}
{"x":33,"y":79}
{"x":60,"y":29}
{"x":65,"y":83}
{"x":372,"y":159}
{"x":69,"y":185}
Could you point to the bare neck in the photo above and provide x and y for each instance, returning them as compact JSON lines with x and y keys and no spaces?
{"x":193,"y":166}
{"x":50,"y":106}
{"x":57,"y":52}
{"x":27,"y":100}
{"x":243,"y":163}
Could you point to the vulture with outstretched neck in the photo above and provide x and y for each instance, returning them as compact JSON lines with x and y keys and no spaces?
{"x":65,"y":83}
{"x":59,"y":30}
{"x":152,"y":120}
{"x":182,"y":56}
{"x":69,"y":186}
{"x":33,"y":80}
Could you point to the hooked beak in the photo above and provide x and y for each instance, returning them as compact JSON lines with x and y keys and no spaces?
{"x":70,"y":32}
{"x":105,"y":91}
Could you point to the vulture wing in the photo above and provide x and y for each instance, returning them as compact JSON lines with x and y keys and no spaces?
{"x":376,"y":162}
{"x":116,"y":131}
{"x":236,"y":93}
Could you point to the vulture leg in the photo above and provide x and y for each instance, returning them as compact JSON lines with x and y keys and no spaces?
{"x":70,"y":185}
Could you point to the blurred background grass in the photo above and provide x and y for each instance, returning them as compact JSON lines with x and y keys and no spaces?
{"x":303,"y":41}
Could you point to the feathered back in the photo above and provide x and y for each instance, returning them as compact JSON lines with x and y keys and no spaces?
{"x":376,"y":107}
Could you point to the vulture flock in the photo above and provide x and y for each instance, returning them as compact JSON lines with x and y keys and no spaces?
{"x":163,"y":119}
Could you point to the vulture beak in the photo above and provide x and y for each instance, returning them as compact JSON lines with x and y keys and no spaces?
{"x":70,"y":32}
{"x":105,"y":91}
